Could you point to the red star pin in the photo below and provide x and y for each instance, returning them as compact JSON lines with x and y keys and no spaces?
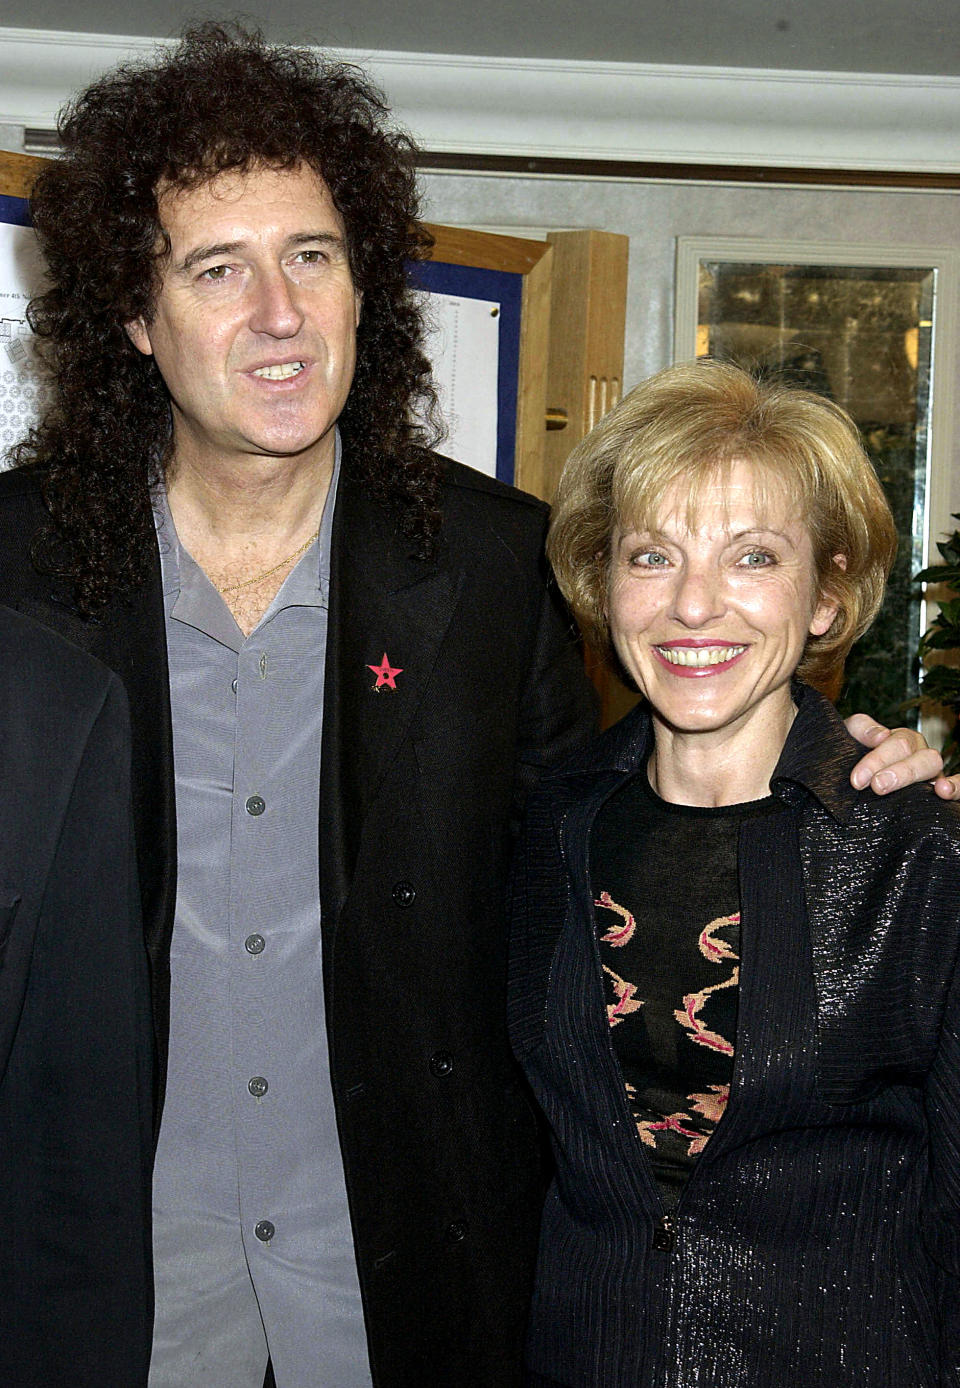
{"x":386,"y":673}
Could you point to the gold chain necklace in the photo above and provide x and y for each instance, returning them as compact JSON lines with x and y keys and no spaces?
{"x":258,"y":578}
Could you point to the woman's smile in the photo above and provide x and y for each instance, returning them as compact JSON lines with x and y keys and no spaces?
{"x":694,"y":659}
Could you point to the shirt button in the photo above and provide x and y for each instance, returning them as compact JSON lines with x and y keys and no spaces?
{"x":256,"y":805}
{"x":257,"y":1086}
{"x":254,"y":944}
{"x":233,"y":685}
{"x":441,"y":1063}
{"x":404,"y":894}
{"x":265,"y":1231}
{"x":456,"y":1232}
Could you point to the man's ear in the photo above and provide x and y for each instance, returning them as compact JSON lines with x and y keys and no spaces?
{"x":138,"y":335}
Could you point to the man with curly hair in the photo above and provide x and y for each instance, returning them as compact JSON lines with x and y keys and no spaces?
{"x":346,"y":666}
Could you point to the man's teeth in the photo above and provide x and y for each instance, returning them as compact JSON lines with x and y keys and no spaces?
{"x":283,"y":372}
{"x":699,"y":656}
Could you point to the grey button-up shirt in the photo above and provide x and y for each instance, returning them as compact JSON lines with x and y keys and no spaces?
{"x":252,"y":1237}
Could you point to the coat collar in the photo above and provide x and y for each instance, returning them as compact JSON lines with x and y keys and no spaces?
{"x":817,"y":757}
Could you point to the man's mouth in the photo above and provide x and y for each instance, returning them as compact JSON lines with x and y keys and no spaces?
{"x":281,"y":372}
{"x":699,"y":657}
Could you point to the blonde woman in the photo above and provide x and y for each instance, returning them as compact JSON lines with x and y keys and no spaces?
{"x":733,"y":978}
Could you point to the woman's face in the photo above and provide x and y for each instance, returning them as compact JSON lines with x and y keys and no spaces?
{"x":712,"y":622}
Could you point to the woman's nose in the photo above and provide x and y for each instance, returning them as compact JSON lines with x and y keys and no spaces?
{"x":698,"y":596}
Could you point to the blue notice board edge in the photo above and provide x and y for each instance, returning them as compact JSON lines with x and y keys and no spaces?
{"x":505,"y":288}
{"x":14,"y":211}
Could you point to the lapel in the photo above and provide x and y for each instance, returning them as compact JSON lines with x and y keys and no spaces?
{"x":132,"y":640}
{"x":383,"y":602}
{"x":551,"y":876}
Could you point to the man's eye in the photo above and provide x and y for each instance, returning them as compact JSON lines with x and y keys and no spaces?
{"x":215,"y":272}
{"x":312,"y":257}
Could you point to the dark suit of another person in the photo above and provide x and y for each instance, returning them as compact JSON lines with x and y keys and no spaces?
{"x":75,"y":1288}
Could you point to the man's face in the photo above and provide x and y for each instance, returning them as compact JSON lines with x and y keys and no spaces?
{"x":254,"y":327}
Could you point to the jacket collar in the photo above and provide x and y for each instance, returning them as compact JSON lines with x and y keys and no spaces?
{"x":817,"y":757}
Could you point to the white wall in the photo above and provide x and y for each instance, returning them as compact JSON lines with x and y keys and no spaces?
{"x":586,"y":110}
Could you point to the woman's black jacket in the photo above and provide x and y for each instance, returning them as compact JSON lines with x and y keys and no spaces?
{"x":818,"y":1240}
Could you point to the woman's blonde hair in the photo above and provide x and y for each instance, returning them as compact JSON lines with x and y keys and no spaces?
{"x":689,"y":423}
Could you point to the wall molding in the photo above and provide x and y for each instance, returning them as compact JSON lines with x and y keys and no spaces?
{"x":515,"y":108}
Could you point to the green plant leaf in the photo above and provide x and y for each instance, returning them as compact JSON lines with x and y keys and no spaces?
{"x":939,"y":573}
{"x":941,"y":690}
{"x":938,"y":638}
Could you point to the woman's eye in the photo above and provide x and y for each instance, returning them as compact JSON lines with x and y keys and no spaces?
{"x":757,"y":559}
{"x":648,"y":559}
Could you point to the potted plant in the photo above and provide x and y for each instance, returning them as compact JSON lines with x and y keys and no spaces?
{"x":940,"y":682}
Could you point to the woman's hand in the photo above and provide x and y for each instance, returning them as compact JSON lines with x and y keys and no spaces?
{"x":900,"y":756}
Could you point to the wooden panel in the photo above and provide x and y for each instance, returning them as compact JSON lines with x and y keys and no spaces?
{"x":17,"y":172}
{"x":530,"y":472}
{"x":487,"y":250}
{"x":588,"y":318}
{"x":585,"y":377}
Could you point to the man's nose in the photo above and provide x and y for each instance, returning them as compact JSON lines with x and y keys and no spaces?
{"x":275,"y":309}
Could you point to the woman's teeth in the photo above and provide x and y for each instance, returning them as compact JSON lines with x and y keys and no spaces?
{"x":699,"y":656}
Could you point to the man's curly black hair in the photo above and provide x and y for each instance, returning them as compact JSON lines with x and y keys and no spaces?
{"x":223,"y":99}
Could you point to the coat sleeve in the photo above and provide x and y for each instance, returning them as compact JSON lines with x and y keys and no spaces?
{"x":75,"y":1104}
{"x":932,"y":920}
{"x":539,"y":893}
{"x":941,"y":1202}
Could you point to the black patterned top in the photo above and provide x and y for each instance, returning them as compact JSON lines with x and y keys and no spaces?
{"x":667,"y":905}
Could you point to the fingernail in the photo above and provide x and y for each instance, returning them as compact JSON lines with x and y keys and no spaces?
{"x":884,"y":780}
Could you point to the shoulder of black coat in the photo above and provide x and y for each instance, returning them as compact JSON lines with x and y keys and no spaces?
{"x":465,"y":486}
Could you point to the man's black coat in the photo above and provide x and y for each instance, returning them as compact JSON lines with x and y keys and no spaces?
{"x":419,"y":790}
{"x":75,"y":1102}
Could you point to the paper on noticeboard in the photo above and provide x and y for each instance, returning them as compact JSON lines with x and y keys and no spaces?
{"x":463,"y":344}
{"x":22,"y":380}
